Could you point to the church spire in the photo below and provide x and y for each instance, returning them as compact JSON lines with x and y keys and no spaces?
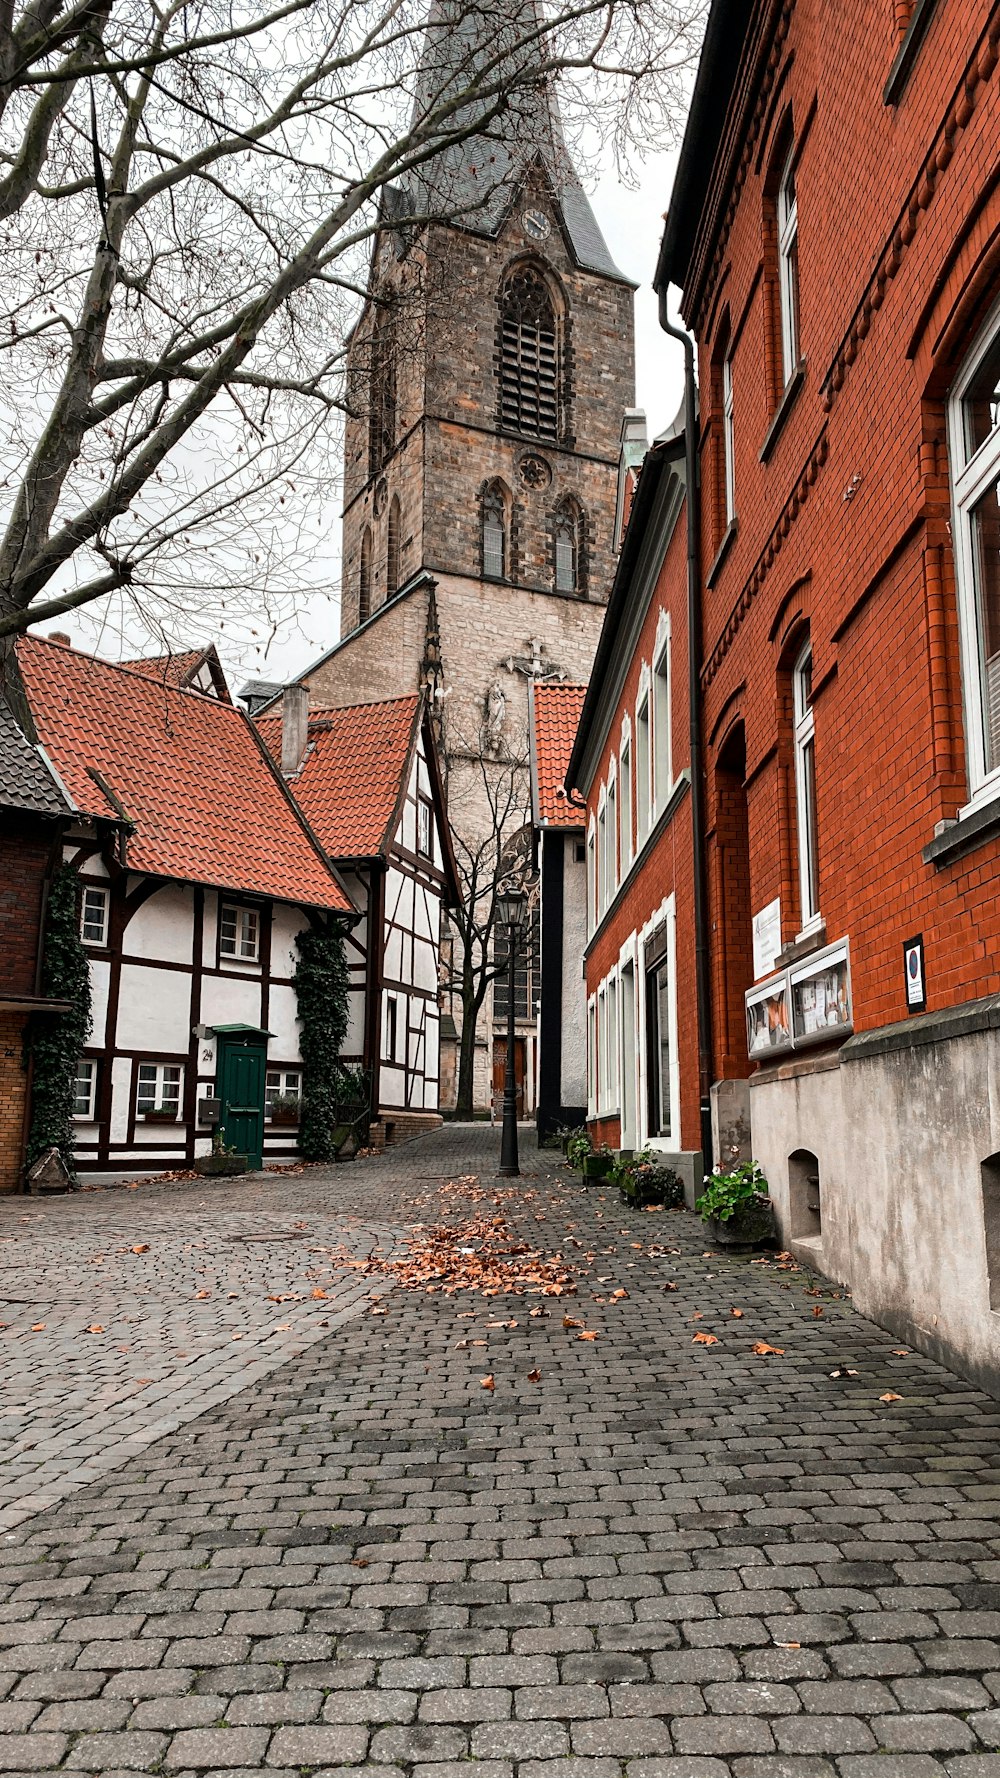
{"x":471,"y":46}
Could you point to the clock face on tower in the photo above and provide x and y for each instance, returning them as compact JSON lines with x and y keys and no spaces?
{"x":536,"y":224}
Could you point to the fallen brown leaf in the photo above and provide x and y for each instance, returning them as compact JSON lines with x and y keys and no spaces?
{"x":763,"y":1350}
{"x":95,"y":1327}
{"x":534,"y":1376}
{"x":617,"y":1295}
{"x":704,"y":1339}
{"x":586,"y":1335}
{"x":737,"y":1314}
{"x":142,"y":1247}
{"x":38,"y":1327}
{"x":900,"y":1352}
{"x":487,"y":1383}
{"x":318,"y":1292}
{"x":888,"y":1396}
{"x":817,"y":1310}
{"x":569,"y":1321}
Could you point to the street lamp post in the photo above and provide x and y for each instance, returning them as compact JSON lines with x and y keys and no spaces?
{"x":512,"y":907}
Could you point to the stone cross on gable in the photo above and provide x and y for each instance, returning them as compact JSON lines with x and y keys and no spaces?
{"x":534,"y":665}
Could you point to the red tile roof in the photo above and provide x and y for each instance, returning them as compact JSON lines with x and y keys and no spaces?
{"x":353,"y":772}
{"x":180,"y":669}
{"x":186,"y":769}
{"x":555,"y":718}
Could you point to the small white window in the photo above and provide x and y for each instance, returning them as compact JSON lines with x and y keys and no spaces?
{"x":159,"y":1087}
{"x":85,"y":1091}
{"x":642,"y":774}
{"x":625,"y":805}
{"x":391,"y":1028}
{"x":282,"y":1083}
{"x":662,"y":771}
{"x":602,"y":1048}
{"x":805,"y":788}
{"x":239,"y":933}
{"x":94,"y":915}
{"x":788,"y":269}
{"x":612,"y":1069}
{"x":591,"y":1057}
{"x":975,"y":470}
{"x":602,"y":853}
{"x":425,"y":830}
{"x":728,"y":437}
{"x":592,"y":915}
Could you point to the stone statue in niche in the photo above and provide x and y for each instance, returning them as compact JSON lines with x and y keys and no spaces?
{"x":496,"y":716}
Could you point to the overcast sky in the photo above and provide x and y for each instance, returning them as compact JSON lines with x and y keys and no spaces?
{"x":632,"y":222}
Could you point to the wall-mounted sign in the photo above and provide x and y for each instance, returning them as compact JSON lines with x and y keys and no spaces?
{"x":913,"y":971}
{"x":766,"y":939}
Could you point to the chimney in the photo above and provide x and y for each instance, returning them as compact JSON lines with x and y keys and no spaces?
{"x":61,"y":637}
{"x":294,"y":728}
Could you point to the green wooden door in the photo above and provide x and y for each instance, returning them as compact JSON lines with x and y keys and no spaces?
{"x":242,"y":1065}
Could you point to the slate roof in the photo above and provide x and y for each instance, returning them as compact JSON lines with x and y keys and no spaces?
{"x":478,"y":179}
{"x":25,"y":779}
{"x":555,"y":717}
{"x":188,"y":771}
{"x":353,"y":773}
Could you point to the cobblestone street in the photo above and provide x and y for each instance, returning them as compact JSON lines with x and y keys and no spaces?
{"x":654,"y":1552}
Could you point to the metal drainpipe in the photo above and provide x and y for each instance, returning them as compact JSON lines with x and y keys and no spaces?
{"x":703,"y":983}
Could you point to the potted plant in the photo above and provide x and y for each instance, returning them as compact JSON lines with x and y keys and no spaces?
{"x":736,"y":1207}
{"x":566,"y":1134}
{"x":160,"y":1114}
{"x":578,"y":1147}
{"x":222,"y":1161}
{"x":284,"y":1109}
{"x":598,"y":1163}
{"x":641,"y":1179}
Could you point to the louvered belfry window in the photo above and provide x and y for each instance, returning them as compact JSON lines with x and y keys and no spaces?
{"x":529,"y":357}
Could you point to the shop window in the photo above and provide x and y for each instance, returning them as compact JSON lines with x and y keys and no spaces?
{"x":529,"y":355}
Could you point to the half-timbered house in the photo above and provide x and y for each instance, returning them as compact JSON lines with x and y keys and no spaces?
{"x":197,"y":873}
{"x":368,"y":780}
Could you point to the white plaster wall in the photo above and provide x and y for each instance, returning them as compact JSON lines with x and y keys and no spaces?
{"x":355,"y":1040}
{"x":154,"y":1009}
{"x":230,"y":1000}
{"x":574,"y":990}
{"x":121,"y":1079}
{"x":162,"y":926}
{"x":100,"y":981}
{"x":283,"y":1022}
{"x":900,"y":1140}
{"x":286,"y":924}
{"x":210,"y":929}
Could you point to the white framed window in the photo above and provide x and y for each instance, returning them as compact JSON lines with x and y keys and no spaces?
{"x":239,"y":932}
{"x":159,"y":1087}
{"x":805,"y":788}
{"x":282,"y":1083}
{"x":591,"y":1057}
{"x":613,"y":1052}
{"x":85,"y":1091}
{"x":602,"y":1047}
{"x":425,"y":829}
{"x":728,"y":437}
{"x":642,"y":765}
{"x":788,"y":268}
{"x":974,"y":448}
{"x":662,"y":761}
{"x":611,"y":833}
{"x":94,"y":910}
{"x":629,"y":1058}
{"x":592,"y":876}
{"x":602,"y":852}
{"x":659,"y":1068}
{"x":625,"y":803}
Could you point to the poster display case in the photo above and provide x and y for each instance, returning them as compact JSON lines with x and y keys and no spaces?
{"x":808,"y":1003}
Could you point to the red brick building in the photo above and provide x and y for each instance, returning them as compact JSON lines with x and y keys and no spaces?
{"x":835,"y":234}
{"x":631,"y":763}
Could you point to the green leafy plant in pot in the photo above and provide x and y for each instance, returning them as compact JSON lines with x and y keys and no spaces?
{"x":736,"y":1206}
{"x":598,"y":1163}
{"x":641,"y":1179}
{"x":578,"y":1146}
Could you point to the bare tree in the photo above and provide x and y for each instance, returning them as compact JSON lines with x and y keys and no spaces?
{"x":489,"y":859}
{"x":188,"y":192}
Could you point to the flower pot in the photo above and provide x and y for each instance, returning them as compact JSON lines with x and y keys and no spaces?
{"x":284,"y":1120}
{"x":160,"y":1114}
{"x":749,"y":1226}
{"x":215,"y":1165}
{"x":596,"y":1166}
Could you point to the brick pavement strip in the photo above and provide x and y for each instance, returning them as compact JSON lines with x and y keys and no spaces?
{"x":342,"y":1556}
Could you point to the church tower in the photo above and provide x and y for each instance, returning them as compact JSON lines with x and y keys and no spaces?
{"x":488,"y":372}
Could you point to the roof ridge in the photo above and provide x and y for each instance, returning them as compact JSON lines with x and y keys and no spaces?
{"x":135,"y":672}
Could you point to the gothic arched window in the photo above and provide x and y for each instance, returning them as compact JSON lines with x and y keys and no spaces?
{"x":496,"y":543}
{"x":382,"y":410}
{"x":529,"y":355}
{"x":392,"y":549}
{"x":569,"y":553}
{"x":365,"y":578}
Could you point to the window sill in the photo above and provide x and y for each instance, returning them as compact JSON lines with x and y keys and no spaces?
{"x":907,"y":52}
{"x":963,"y":835}
{"x":801,"y":946}
{"x":783,"y":409}
{"x":723,"y":550}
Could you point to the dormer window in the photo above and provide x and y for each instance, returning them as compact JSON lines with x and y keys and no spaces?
{"x":529,"y":355}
